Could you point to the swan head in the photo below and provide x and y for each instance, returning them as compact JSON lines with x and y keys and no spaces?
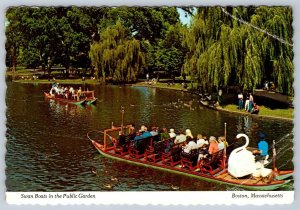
{"x":240,"y":135}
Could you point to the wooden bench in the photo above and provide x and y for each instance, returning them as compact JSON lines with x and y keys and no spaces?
{"x":122,"y":148}
{"x":213,"y":162}
{"x":189,"y":160}
{"x":154,"y":153}
{"x":138,"y":148}
{"x":172,"y":157}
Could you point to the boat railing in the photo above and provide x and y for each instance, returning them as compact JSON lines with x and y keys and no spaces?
{"x":138,"y":148}
{"x":96,"y":135}
{"x":212,"y":162}
{"x":88,"y":93}
{"x":111,"y":135}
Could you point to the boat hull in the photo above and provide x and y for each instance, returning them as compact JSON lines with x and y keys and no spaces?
{"x":80,"y":102}
{"x":201,"y":176}
{"x":281,"y":175}
{"x":91,"y":101}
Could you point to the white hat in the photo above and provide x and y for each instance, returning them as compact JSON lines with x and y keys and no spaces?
{"x":212,"y":138}
{"x":188,"y":132}
{"x":172,"y":130}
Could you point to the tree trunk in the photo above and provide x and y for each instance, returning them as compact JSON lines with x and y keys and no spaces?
{"x":14,"y":59}
{"x":49,"y":72}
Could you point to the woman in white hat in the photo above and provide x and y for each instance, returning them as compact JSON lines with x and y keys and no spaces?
{"x":172,"y":133}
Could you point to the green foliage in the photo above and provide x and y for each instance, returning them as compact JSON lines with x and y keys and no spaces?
{"x":223,"y":51}
{"x":168,"y":54}
{"x":117,"y":55}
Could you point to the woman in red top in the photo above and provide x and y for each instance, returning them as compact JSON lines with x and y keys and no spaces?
{"x":213,"y":145}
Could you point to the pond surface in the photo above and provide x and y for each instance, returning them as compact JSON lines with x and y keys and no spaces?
{"x":47,"y":147}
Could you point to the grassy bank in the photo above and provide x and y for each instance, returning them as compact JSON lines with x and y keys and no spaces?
{"x":264,"y":111}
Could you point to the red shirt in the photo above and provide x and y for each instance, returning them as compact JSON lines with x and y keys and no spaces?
{"x":213,"y":147}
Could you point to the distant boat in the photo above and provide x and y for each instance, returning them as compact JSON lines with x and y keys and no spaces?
{"x":150,"y":153}
{"x":64,"y":100}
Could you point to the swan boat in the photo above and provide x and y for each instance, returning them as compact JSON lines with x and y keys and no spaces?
{"x":214,"y":169}
{"x":64,"y":100}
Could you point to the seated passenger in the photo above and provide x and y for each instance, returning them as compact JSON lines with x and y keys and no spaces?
{"x":145,"y":132}
{"x":164,"y":134}
{"x":138,"y":136}
{"x":221,"y":143}
{"x":132,"y":132}
{"x":189,"y":133}
{"x":172,"y":133}
{"x":213,"y":148}
{"x":200,"y":141}
{"x":79,"y":91}
{"x":263,"y":148}
{"x":213,"y":145}
{"x":180,"y":138}
{"x":154,"y":131}
{"x":122,"y":141}
{"x":190,"y":146}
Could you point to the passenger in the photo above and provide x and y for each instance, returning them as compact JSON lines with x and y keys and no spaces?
{"x":145,"y":132}
{"x":172,"y":133}
{"x":189,"y":133}
{"x":138,"y":136}
{"x":213,"y":145}
{"x":132,"y":132}
{"x":79,"y":93}
{"x":52,"y":91}
{"x":71,"y":89}
{"x":221,"y":143}
{"x":200,"y":141}
{"x":122,"y":141}
{"x":180,"y":138}
{"x":164,"y":134}
{"x":263,"y":148}
{"x":190,"y":146}
{"x":154,"y":131}
{"x":66,"y":92}
{"x":62,"y":90}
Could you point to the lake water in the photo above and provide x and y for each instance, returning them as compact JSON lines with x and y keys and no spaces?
{"x":47,"y":147}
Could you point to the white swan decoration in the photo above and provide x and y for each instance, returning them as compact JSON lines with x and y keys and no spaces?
{"x":241,"y":162}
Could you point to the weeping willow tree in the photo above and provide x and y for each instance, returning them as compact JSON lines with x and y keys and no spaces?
{"x":117,"y":55}
{"x":240,"y":46}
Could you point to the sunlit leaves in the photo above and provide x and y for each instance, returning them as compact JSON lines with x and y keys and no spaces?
{"x":117,"y":55}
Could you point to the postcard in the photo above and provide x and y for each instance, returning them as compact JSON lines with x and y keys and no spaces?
{"x":133,"y":104}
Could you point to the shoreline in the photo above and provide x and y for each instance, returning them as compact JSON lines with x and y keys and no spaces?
{"x":142,"y":84}
{"x":218,"y":108}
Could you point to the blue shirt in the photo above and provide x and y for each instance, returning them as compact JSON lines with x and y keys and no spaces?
{"x":264,"y":147}
{"x":136,"y":138}
{"x":146,"y":134}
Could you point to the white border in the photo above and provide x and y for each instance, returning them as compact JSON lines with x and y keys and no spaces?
{"x":4,"y":4}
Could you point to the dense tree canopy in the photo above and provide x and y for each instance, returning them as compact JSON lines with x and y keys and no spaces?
{"x":221,"y":47}
{"x":117,"y":54}
{"x":225,"y":51}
